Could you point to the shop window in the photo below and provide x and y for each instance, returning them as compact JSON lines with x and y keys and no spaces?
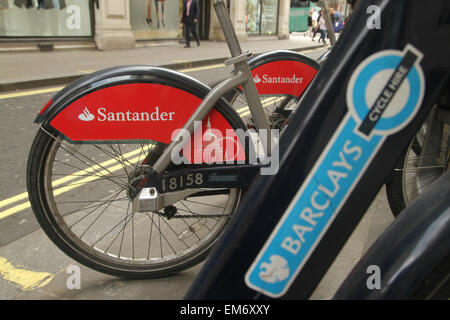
{"x":300,"y":4}
{"x":156,"y":19}
{"x":261,"y":17}
{"x":45,"y":18}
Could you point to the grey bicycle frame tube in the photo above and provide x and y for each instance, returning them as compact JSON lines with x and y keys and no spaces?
{"x":249,"y":87}
{"x":200,"y":113}
{"x":328,"y":22}
{"x":242,"y":77}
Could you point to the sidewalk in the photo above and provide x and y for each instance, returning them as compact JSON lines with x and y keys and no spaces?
{"x":33,"y":69}
{"x":98,"y":286}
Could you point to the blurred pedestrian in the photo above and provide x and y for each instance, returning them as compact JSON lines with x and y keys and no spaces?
{"x":157,"y":12}
{"x":332,"y":16}
{"x":322,"y":28}
{"x":310,"y":24}
{"x":148,"y":19}
{"x":317,"y":29}
{"x":191,"y":12}
{"x":314,"y":17}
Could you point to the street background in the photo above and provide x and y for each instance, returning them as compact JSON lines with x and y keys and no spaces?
{"x":31,"y":267}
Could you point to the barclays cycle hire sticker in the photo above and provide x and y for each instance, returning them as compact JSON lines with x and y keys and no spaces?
{"x":383,"y":95}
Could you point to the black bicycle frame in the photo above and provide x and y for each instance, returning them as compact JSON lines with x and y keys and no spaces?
{"x":323,"y":151}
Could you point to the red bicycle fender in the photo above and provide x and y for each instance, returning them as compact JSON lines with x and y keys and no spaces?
{"x":283,"y":77}
{"x":146,"y":111}
{"x":134,"y":111}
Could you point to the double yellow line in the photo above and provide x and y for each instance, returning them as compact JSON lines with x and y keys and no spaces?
{"x":98,"y":171}
{"x":265,"y":103}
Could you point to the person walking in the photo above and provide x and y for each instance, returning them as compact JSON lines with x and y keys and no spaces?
{"x":162,"y":12}
{"x":191,"y":12}
{"x":315,"y":20}
{"x":310,"y":24}
{"x":322,"y":28}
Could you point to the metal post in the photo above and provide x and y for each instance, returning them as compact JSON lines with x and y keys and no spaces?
{"x":330,"y":27}
{"x":251,"y":93}
{"x":227,"y":28}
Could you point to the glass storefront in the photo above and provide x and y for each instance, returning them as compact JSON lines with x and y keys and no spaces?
{"x":45,"y":18}
{"x":153,"y":19}
{"x":261,"y":17}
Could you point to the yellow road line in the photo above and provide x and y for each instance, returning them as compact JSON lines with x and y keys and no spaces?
{"x":73,"y":176}
{"x":98,"y":175}
{"x":62,"y":190}
{"x":29,"y":93}
{"x":55,"y":89}
{"x":265,"y":103}
{"x":87,"y":71}
{"x":214,"y":66}
{"x":27,"y":280}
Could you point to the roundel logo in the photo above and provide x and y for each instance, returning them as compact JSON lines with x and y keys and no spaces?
{"x":386,"y":91}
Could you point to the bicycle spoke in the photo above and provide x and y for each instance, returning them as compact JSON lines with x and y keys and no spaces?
{"x":96,"y":219}
{"x":96,"y":207}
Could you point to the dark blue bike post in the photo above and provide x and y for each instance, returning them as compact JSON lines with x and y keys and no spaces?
{"x":348,"y":132}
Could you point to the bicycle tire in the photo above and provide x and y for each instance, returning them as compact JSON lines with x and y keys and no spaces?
{"x":424,"y":161}
{"x":84,"y":247}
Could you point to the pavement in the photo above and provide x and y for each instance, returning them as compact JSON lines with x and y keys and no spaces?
{"x":98,"y":286}
{"x":25,"y":70}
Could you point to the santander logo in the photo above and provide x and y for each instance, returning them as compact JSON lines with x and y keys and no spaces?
{"x":277,"y":80}
{"x":86,"y":115}
{"x":126,"y":116}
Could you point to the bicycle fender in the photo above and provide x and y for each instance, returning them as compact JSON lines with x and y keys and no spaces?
{"x":283,"y":72}
{"x":412,"y":253}
{"x":128,"y":103}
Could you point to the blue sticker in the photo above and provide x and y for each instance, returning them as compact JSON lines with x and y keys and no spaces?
{"x":383,"y":96}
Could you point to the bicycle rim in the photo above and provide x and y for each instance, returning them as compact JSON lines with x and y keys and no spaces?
{"x":427,"y":158}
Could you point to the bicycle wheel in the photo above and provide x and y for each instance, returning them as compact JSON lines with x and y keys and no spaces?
{"x":277,"y":108}
{"x":81,"y":196}
{"x":426,"y":159}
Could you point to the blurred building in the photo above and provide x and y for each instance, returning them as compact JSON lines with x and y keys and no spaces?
{"x":300,"y":9}
{"x":113,"y":24}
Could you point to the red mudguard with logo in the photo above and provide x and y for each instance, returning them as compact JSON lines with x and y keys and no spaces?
{"x":142,"y":103}
{"x":283,"y":72}
{"x":133,"y":111}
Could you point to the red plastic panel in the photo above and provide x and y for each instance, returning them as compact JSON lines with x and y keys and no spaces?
{"x":134,"y":112}
{"x":283,"y":77}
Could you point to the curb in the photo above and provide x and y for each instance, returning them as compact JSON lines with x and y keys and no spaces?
{"x":42,"y":82}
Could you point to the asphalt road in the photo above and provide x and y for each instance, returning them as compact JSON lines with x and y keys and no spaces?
{"x":31,"y":267}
